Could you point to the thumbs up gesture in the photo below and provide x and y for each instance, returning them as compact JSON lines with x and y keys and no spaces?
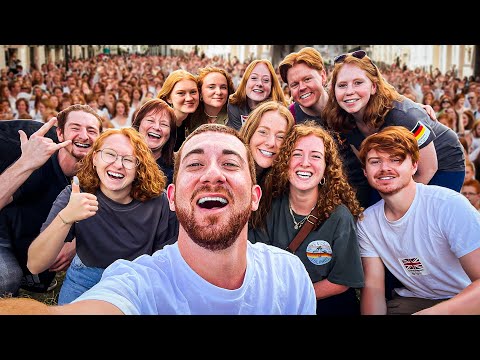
{"x":80,"y":206}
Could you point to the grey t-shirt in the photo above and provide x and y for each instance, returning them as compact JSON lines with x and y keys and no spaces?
{"x":412,"y":116}
{"x":330,"y":251}
{"x":119,"y":231}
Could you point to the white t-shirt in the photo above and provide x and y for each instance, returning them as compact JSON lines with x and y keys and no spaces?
{"x":276,"y":282}
{"x":423,"y":247}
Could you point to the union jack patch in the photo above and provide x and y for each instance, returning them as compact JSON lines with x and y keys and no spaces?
{"x":413,"y":266}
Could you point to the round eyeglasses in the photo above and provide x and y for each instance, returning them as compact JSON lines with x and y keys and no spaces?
{"x":110,"y":156}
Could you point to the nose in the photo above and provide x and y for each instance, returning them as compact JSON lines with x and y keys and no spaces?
{"x":270,"y":140}
{"x":213,"y":174}
{"x":305,"y":161}
{"x":83,"y":133}
{"x":349,"y":89}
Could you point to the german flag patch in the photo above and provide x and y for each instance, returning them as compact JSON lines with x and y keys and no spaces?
{"x":421,"y":133}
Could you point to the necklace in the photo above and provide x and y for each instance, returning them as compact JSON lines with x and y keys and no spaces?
{"x":210,"y":116}
{"x":300,"y":223}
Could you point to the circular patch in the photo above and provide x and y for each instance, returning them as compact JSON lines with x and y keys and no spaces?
{"x":319,"y":252}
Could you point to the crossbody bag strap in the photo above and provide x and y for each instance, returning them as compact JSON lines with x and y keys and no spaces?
{"x":309,"y":225}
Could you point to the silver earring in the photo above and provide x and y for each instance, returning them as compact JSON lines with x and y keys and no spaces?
{"x":322,"y":182}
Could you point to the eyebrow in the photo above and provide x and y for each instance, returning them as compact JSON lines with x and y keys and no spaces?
{"x":224,"y":152}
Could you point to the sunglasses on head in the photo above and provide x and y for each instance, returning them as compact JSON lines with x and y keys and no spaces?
{"x":359,"y":54}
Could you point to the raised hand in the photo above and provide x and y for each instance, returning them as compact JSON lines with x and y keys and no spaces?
{"x":80,"y":206}
{"x":38,"y":149}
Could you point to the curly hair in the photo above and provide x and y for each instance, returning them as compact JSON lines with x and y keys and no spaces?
{"x":239,"y":97}
{"x":149,"y":181}
{"x":378,"y":106}
{"x":335,"y":191}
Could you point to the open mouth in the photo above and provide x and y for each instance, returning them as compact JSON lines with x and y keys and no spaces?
{"x":212,"y":202}
{"x":81,"y":145}
{"x":115,"y":175}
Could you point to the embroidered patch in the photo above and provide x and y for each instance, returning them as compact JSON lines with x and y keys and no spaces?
{"x":244,"y":118}
{"x":421,"y":133}
{"x":319,"y":252}
{"x":413,"y":266}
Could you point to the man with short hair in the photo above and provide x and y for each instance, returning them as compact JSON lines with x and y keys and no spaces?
{"x":212,"y":268}
{"x":427,"y":236}
{"x":31,"y":184}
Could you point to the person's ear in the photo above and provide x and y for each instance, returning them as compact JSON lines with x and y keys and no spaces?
{"x":60,"y":134}
{"x":171,"y":196}
{"x":256,"y":195}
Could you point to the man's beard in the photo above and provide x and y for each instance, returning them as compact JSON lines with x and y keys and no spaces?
{"x":212,"y":236}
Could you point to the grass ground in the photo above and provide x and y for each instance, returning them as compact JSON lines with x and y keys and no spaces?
{"x":49,"y":298}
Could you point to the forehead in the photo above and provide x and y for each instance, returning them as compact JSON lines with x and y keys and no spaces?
{"x":157,"y":114}
{"x":185,"y":84}
{"x":274,"y":120}
{"x":116,"y":141}
{"x":214,"y":143}
{"x":83,"y":118}
{"x":312,"y":142}
{"x":261,"y":69}
{"x":350,"y":70}
{"x":214,"y":77}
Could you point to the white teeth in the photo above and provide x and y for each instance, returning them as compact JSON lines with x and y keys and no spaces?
{"x":386,"y":178}
{"x":351,"y":101}
{"x":258,"y":90}
{"x":304,"y":174}
{"x":114,"y":174}
{"x":154,"y":135}
{"x":216,"y":198}
{"x":266,"y":153}
{"x":82,"y":145}
{"x":305,"y":95}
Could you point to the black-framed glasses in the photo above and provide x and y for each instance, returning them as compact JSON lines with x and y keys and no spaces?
{"x":359,"y":54}
{"x":110,"y":156}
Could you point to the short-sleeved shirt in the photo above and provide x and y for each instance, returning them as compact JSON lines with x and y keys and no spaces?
{"x":328,"y":252}
{"x":119,"y":231}
{"x":411,"y":115}
{"x":275,"y":283}
{"x":422,"y":249}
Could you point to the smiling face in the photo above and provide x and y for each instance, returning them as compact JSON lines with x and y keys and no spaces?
{"x":213,"y":194}
{"x":83,"y":129}
{"x":306,"y":84}
{"x":259,"y":85}
{"x":307,"y":163}
{"x":155,"y":126}
{"x":215,"y":90}
{"x":267,"y":139}
{"x":115,"y":180}
{"x":184,"y":96}
{"x":353,"y":90}
{"x":388,"y":174}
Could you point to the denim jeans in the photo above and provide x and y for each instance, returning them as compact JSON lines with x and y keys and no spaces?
{"x":10,"y":272}
{"x":78,"y":279}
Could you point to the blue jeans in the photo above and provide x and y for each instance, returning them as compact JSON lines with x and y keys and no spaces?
{"x":10,"y":272}
{"x":79,"y":278}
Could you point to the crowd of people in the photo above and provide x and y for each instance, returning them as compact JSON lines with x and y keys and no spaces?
{"x":190,"y":185}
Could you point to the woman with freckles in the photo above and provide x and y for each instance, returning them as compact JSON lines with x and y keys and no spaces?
{"x":156,"y":121}
{"x":117,"y":210}
{"x":259,"y":83}
{"x":265,"y":131}
{"x":361,"y":102}
{"x":306,"y":174}
{"x":180,"y":91}
{"x":215,"y":86}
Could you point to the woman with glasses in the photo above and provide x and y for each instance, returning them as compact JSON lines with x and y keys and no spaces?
{"x":118,"y":210}
{"x":361,"y":102}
